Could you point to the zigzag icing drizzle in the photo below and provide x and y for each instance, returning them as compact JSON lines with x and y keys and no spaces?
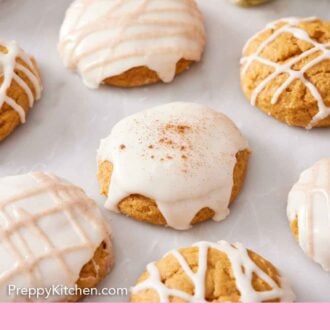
{"x":49,"y":229}
{"x":239,"y":259}
{"x":104,"y":38}
{"x":8,"y":71}
{"x":309,"y":203}
{"x":290,"y":26}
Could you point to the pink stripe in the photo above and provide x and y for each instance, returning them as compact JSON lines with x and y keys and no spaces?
{"x":184,"y":316}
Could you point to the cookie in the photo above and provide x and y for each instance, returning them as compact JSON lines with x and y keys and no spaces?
{"x":51,"y":234}
{"x":309,"y":212}
{"x":20,"y":86}
{"x":248,"y":3}
{"x":131,"y":43}
{"x":177,"y":164}
{"x":285,"y":71}
{"x":211,"y":272}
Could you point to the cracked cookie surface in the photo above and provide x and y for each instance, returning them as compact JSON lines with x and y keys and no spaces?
{"x":211,"y":272}
{"x":285,"y":71}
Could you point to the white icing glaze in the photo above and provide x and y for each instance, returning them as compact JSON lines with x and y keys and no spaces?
{"x":49,"y":229}
{"x":243,"y":269}
{"x":290,"y":26}
{"x":104,"y":38}
{"x":182,"y":155}
{"x":9,"y":67}
{"x":309,"y":202}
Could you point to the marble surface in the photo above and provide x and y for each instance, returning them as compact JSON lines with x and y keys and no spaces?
{"x":64,"y":129}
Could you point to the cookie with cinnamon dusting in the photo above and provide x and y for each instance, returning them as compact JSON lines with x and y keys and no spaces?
{"x":174,"y":165}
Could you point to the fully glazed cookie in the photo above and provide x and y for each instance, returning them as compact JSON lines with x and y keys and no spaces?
{"x":285,"y":71}
{"x":20,"y":86}
{"x":211,"y":272}
{"x":51,"y":233}
{"x":309,"y":212}
{"x":130,"y":43}
{"x":176,"y":165}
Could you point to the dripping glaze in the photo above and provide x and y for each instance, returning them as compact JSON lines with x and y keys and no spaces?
{"x":105,"y":38}
{"x":181,"y":155}
{"x":309,"y":204}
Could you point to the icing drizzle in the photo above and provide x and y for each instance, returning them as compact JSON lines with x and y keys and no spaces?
{"x":243,"y":269}
{"x":104,"y":38}
{"x":8,"y":71}
{"x":309,"y":202}
{"x":290,"y":26}
{"x":181,"y":155}
{"x":49,"y":229}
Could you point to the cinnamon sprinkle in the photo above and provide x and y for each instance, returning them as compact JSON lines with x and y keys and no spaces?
{"x":172,"y":136}
{"x":180,"y":129}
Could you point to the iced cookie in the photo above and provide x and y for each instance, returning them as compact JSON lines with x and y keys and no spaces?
{"x":51,"y":234}
{"x":309,"y":212}
{"x":285,"y":71}
{"x":20,"y":86}
{"x":130,"y":43}
{"x":211,"y":272}
{"x":177,"y":164}
{"x":248,"y":3}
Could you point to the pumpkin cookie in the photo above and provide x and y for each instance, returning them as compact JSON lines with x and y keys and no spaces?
{"x":51,"y":234}
{"x":177,"y":164}
{"x":211,"y":272}
{"x":131,"y":43}
{"x":285,"y":71}
{"x":20,"y":86}
{"x":309,"y":212}
{"x":249,"y":3}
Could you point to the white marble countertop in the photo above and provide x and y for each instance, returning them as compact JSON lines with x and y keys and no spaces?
{"x":64,"y":129}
